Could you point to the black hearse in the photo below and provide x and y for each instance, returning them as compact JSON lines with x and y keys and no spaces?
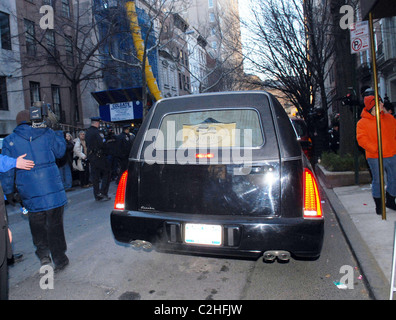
{"x":220,"y":174}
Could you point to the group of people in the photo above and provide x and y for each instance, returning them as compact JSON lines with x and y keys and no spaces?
{"x":35,"y":169}
{"x":95,"y":155}
{"x":74,"y":161}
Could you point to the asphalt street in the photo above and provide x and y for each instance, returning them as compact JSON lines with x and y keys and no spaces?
{"x":104,"y":269}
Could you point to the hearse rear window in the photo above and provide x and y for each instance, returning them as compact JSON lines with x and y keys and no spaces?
{"x":211,"y":129}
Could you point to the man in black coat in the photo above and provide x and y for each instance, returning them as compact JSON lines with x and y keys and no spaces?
{"x":100,"y":166}
{"x":124,"y":142}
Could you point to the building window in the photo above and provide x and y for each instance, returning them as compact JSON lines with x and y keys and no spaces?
{"x":210,"y":3}
{"x":66,"y":8}
{"x":110,"y":4}
{"x":30,"y":38}
{"x":50,"y":37}
{"x":56,"y":100}
{"x":180,"y":82}
{"x":34,"y":92}
{"x":165,"y":73}
{"x":69,"y":51}
{"x":3,"y":94}
{"x":181,"y":56}
{"x":188,"y":83}
{"x":212,"y":17}
{"x":5,"y":34}
{"x":186,"y":59}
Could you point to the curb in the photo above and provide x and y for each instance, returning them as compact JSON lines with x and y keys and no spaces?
{"x":377,"y":283}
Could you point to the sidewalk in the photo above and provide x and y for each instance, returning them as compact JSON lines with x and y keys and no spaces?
{"x":370,"y":238}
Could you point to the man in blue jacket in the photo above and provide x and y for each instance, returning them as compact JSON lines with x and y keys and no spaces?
{"x":7,"y":163}
{"x":41,"y":189}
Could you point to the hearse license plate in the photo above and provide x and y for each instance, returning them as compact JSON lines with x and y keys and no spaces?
{"x":203,"y":234}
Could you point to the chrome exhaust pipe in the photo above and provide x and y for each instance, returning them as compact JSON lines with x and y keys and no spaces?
{"x":141,"y":244}
{"x":269,"y":256}
{"x":281,"y":255}
{"x":147,"y":245}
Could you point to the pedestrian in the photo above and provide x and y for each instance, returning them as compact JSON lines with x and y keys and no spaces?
{"x":389,"y":106}
{"x":125,"y":140}
{"x":366,"y":134}
{"x":80,"y":160}
{"x":111,"y":150}
{"x":7,"y":163}
{"x":99,"y":164}
{"x":334,"y":137}
{"x":65,"y":163}
{"x":41,"y":189}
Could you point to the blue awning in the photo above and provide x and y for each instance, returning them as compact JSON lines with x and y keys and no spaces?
{"x":118,"y":95}
{"x":121,"y":111}
{"x":120,"y":104}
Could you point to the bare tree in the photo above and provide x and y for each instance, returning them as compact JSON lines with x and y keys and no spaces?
{"x":346,"y":77}
{"x":290,"y":45}
{"x":70,"y":50}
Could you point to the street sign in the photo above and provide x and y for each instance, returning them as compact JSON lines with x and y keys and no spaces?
{"x":360,"y":37}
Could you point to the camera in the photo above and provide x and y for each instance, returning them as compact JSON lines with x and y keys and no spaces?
{"x":41,"y":115}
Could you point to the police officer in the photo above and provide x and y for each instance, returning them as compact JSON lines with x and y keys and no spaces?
{"x":100,"y":166}
{"x":125,"y":140}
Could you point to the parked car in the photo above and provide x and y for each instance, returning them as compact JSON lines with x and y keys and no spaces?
{"x":302,"y":136}
{"x":219,"y":174}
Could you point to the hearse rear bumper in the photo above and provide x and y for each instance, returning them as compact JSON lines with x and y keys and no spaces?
{"x":247,"y":237}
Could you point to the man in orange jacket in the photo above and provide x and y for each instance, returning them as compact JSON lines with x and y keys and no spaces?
{"x":366,"y":134}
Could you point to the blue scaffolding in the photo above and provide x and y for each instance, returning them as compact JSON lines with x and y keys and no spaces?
{"x":123,"y":80}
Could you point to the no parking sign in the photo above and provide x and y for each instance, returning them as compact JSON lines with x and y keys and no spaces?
{"x":360,"y":38}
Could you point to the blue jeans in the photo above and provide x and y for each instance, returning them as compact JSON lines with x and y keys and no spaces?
{"x":66,"y":176}
{"x":389,"y":169}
